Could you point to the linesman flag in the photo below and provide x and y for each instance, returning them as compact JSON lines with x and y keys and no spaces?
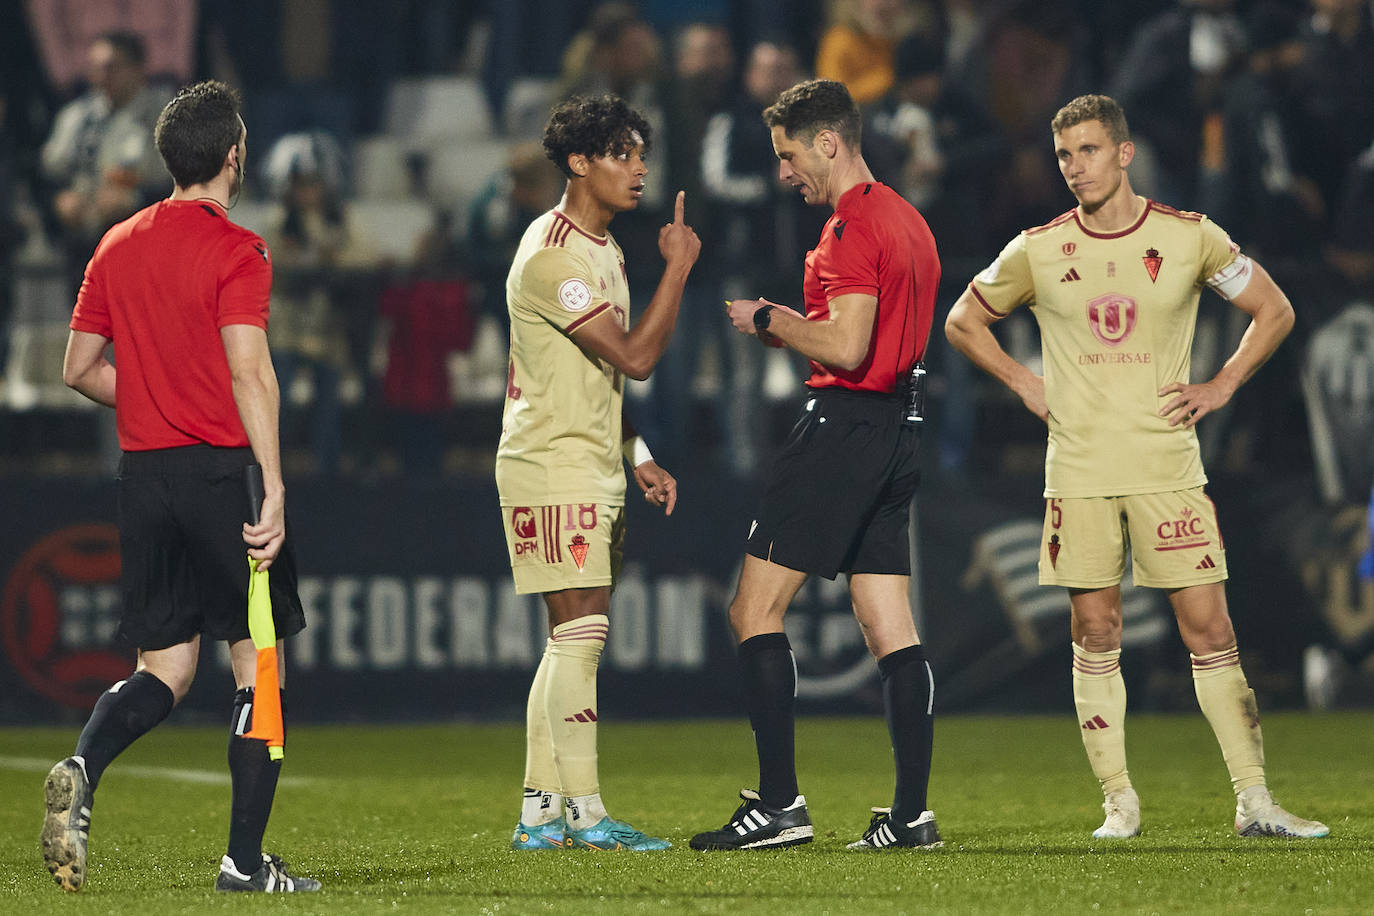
{"x":267,"y":719}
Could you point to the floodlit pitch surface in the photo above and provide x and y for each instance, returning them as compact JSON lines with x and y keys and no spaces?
{"x":417,"y":820}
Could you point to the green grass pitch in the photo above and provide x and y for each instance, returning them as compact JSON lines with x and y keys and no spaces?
{"x":416,"y":819}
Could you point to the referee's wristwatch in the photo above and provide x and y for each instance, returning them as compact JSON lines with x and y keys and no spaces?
{"x":762,"y":317}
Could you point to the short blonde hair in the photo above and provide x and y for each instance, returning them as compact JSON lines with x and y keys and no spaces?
{"x":1093,"y":108}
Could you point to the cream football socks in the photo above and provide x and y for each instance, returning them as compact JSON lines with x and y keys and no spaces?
{"x":1099,"y":695}
{"x":570,"y":708}
{"x":543,"y":799}
{"x":1229,"y":705}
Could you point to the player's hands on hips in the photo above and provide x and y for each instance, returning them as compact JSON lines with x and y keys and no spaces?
{"x":677,"y":241}
{"x":264,"y":539}
{"x":1032,"y":394}
{"x":1193,"y":402}
{"x":660,"y":487}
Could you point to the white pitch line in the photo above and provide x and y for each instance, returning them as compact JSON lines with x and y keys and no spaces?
{"x":204,"y":777}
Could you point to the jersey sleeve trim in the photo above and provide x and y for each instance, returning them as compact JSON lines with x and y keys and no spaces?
{"x":587,"y":317}
{"x":984,"y":303}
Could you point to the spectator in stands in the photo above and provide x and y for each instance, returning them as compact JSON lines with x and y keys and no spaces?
{"x":11,"y":229}
{"x":947,"y":145}
{"x":100,"y":156}
{"x":762,"y":232}
{"x":1351,"y":252}
{"x":857,"y":49}
{"x":1273,"y":208}
{"x":1171,"y":81}
{"x":63,"y":30}
{"x":1333,"y":108}
{"x":702,"y":83}
{"x":309,"y":334}
{"x":1024,"y":60}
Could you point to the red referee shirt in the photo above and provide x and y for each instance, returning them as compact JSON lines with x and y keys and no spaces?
{"x":160,"y":285}
{"x":875,"y":243}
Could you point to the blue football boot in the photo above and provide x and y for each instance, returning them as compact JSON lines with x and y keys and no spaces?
{"x":609,"y":833}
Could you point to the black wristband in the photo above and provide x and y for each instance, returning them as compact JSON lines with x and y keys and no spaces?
{"x":762,"y":318}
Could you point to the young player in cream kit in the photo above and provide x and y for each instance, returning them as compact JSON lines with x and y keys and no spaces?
{"x":563,"y":434}
{"x":1114,"y":285}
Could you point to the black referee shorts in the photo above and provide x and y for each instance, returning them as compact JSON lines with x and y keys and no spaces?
{"x":838,"y":497}
{"x":183,"y":559}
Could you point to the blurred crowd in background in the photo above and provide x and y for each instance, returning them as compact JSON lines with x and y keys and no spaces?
{"x":394,"y":161}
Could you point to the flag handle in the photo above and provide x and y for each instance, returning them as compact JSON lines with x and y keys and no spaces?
{"x":252,"y":476}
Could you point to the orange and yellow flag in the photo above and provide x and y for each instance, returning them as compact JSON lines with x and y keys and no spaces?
{"x":267,"y":720}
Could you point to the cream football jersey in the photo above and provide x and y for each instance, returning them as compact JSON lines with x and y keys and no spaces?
{"x":1116,"y":313}
{"x":561,"y":426}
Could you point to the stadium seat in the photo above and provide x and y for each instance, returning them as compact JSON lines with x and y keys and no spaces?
{"x":459,"y":169}
{"x":389,"y":229}
{"x":527,"y":107}
{"x":258,"y":215}
{"x":379,"y":168}
{"x":423,"y":108}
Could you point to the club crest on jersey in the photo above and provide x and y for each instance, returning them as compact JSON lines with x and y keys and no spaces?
{"x":1069,"y":248}
{"x":574,"y":295}
{"x":1112,"y":318}
{"x":1053,"y":547}
{"x":578,"y":547}
{"x":1152,"y":262}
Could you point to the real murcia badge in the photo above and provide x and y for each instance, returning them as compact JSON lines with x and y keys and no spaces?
{"x":1152,"y":262}
{"x":578,"y":548}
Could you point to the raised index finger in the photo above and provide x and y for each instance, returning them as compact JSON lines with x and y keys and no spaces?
{"x":677,"y":207}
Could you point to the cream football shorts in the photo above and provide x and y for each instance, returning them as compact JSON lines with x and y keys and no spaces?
{"x":577,"y":545}
{"x":1173,"y":539}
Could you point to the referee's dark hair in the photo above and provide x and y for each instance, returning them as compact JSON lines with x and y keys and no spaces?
{"x":813,"y":106}
{"x":593,"y":127}
{"x":196,"y":130}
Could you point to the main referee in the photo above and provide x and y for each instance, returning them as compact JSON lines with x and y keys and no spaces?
{"x":182,"y":294}
{"x":838,"y":497}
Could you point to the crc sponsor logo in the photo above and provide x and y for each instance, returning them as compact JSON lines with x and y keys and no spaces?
{"x":58,"y":614}
{"x":1112,"y":318}
{"x":1188,"y":530}
{"x":522,"y":525}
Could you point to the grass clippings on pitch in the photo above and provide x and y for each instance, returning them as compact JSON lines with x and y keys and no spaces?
{"x":417,"y":820}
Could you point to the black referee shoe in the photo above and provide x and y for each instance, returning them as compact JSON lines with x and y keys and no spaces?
{"x":755,"y":825}
{"x":270,"y":878}
{"x":885,"y":833}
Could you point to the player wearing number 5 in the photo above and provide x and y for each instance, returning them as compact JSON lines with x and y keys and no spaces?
{"x":182,"y":294}
{"x":1114,"y":286}
{"x":563,"y":434}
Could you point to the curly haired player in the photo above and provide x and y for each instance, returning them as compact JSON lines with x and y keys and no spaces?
{"x":563,"y":434}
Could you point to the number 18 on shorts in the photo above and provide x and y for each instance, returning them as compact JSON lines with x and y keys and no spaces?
{"x":574,"y":545}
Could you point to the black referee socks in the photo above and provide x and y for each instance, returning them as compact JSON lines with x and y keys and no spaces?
{"x":124,"y":713}
{"x":769,"y":675}
{"x":909,"y":699}
{"x":254,"y":777}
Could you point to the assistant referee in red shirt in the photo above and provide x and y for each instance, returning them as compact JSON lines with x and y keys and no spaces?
{"x":182,"y":294}
{"x":839,"y":494}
